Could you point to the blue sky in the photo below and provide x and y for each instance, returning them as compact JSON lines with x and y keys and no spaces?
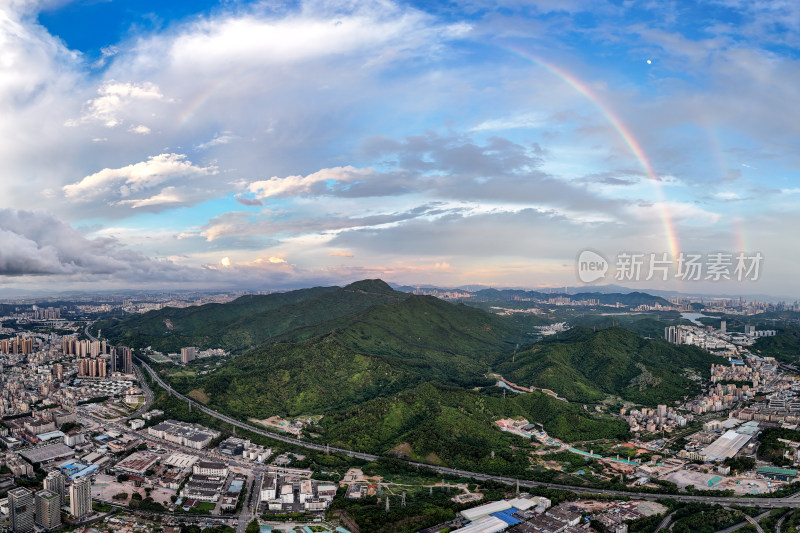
{"x":282,"y":144}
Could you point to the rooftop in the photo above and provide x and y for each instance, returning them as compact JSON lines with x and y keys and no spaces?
{"x":43,"y":454}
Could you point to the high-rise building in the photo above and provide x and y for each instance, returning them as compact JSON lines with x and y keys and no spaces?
{"x":56,"y":482}
{"x":671,"y":334}
{"x":58,"y":370}
{"x":187,"y":354}
{"x":20,"y":510}
{"x":69,"y":345}
{"x":675,"y":334}
{"x":48,"y":509}
{"x":723,"y":326}
{"x":92,"y":368}
{"x":80,"y":497}
{"x":121,"y":360}
{"x":97,"y":348}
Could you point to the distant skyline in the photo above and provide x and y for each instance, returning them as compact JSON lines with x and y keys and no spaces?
{"x":253,"y":145}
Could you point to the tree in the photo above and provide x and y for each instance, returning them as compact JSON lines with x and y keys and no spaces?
{"x":252,"y":527}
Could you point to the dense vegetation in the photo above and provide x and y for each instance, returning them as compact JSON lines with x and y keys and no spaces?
{"x":246,"y":322}
{"x":792,"y":522}
{"x":454,"y":426}
{"x":408,"y":375}
{"x":740,"y":464}
{"x":771,"y":449}
{"x":382,"y":351}
{"x":587,"y":366}
{"x":784,"y":346}
{"x":702,"y":518}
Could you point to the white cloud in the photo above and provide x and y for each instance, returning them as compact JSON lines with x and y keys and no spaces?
{"x":526,"y":120}
{"x":276,"y":187}
{"x":119,"y":185}
{"x":140,"y":129}
{"x":169,"y":195}
{"x":223,"y":138}
{"x":728,"y":196}
{"x":381,"y":27}
{"x":684,"y":212}
{"x":37,"y":243}
{"x":114,"y":99}
{"x":303,"y":86}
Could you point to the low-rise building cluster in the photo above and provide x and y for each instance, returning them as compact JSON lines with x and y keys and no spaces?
{"x":662,"y":418}
{"x":235,"y":447}
{"x":291,"y":490}
{"x":184,"y":434}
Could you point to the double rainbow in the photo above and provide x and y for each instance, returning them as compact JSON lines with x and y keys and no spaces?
{"x":624,"y":133}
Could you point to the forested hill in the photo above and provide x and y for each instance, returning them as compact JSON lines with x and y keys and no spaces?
{"x":587,"y":366}
{"x":404,"y":373}
{"x":457,"y":427}
{"x":247,"y":321}
{"x":381,"y":351}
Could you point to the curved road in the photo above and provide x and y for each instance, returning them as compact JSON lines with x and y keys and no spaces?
{"x":761,"y":502}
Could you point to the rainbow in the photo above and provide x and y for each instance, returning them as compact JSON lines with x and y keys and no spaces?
{"x":204,"y":96}
{"x":624,"y":133}
{"x":740,"y":243}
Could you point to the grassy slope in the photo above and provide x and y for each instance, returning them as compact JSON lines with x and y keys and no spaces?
{"x":585,"y":366}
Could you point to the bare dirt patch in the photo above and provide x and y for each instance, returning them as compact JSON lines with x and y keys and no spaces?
{"x":402,"y":450}
{"x":200,"y":396}
{"x":433,"y":458}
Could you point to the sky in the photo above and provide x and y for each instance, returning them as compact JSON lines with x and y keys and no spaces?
{"x":261,"y":145}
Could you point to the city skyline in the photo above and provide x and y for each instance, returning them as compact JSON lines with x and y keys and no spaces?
{"x":247,"y":145}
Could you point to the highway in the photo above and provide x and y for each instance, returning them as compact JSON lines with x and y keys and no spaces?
{"x":664,"y":523}
{"x":748,"y":520}
{"x":276,"y":436}
{"x":780,"y":523}
{"x":86,"y":331}
{"x":754,"y":521}
{"x":722,"y":500}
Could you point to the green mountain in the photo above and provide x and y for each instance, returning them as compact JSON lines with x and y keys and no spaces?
{"x":381,"y":351}
{"x":455,"y":426}
{"x":406,"y":374}
{"x":586,"y":366}
{"x":627,"y":299}
{"x":247,"y":321}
